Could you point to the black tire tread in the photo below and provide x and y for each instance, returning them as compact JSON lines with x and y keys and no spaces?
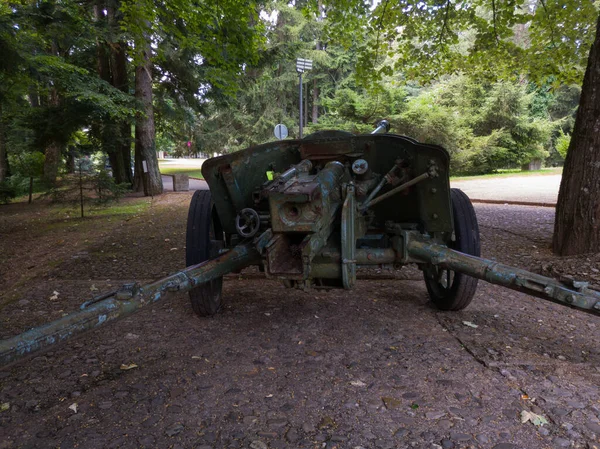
{"x":466,"y":232}
{"x":206,"y":298}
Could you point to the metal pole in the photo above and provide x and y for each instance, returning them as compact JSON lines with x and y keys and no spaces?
{"x":300,"y":75}
{"x":533,"y":284}
{"x":96,"y":314}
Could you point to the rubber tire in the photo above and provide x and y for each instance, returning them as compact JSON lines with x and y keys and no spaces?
{"x":203,"y":225}
{"x":466,"y":231}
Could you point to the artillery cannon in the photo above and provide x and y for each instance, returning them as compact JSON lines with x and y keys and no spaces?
{"x":309,"y":212}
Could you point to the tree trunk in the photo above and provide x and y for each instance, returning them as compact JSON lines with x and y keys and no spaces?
{"x":53,"y":148}
{"x":111,"y":60}
{"x":147,"y":175}
{"x":577,"y":223}
{"x":315,"y":92}
{"x":51,"y":162}
{"x":315,"y":106}
{"x":306,"y":105}
{"x":71,"y":161}
{"x":4,"y":169}
{"x":123,"y":140}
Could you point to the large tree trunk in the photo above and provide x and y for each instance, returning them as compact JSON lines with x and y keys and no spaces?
{"x":315,"y":91}
{"x":4,"y":169}
{"x":147,"y":175}
{"x":315,"y":99}
{"x":53,"y":149}
{"x":123,"y":140}
{"x":577,"y":223}
{"x":51,"y":162}
{"x":112,"y":68}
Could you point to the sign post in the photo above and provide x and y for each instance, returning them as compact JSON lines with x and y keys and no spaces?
{"x":302,"y":65}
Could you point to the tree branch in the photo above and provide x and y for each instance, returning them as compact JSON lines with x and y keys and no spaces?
{"x":550,"y":22}
{"x":444,"y":24}
{"x":385,"y":5}
{"x":494,"y":21}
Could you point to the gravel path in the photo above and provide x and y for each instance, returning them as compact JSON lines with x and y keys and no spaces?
{"x":528,"y":189}
{"x":378,"y":367}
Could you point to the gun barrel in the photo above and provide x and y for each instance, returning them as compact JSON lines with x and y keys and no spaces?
{"x":113,"y":307}
{"x":533,"y":284}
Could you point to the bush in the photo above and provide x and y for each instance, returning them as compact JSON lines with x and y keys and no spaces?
{"x":7,"y":192}
{"x":562,"y":143}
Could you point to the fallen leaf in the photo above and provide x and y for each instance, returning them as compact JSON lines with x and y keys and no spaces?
{"x":4,"y":406}
{"x":391,"y":403}
{"x":54,"y":296}
{"x":536,"y":420}
{"x":468,"y":323}
{"x":128,"y":367}
{"x":269,"y":396}
{"x":358,"y":383}
{"x":73,"y":407}
{"x":93,"y":288}
{"x":252,"y":372}
{"x":196,"y":357}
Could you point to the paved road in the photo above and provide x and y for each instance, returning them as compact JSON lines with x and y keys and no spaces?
{"x":523,"y":189}
{"x":527,"y":189}
{"x":532,"y":189}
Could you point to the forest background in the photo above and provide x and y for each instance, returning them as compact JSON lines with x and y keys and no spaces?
{"x":495,"y":83}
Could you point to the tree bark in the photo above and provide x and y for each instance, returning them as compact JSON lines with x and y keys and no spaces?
{"x":4,"y":168}
{"x":123,"y":141}
{"x":112,"y":68}
{"x":147,"y":178}
{"x":315,"y":98}
{"x":52,"y":151}
{"x":577,"y":223}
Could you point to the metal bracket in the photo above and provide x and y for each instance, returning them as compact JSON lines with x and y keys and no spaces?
{"x":127,"y":291}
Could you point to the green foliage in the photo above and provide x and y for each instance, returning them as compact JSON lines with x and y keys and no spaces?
{"x":7,"y":192}
{"x":90,"y":185}
{"x":27,"y":164}
{"x":562,"y":143}
{"x":494,"y":40}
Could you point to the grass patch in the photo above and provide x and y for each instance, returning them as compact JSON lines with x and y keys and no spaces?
{"x":510,"y":172}
{"x":168,"y":167}
{"x":123,"y":207}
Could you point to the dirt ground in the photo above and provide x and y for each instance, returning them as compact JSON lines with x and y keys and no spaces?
{"x":377,"y":367}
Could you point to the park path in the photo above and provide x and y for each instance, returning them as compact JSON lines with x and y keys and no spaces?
{"x":195,"y":184}
{"x":537,"y":190}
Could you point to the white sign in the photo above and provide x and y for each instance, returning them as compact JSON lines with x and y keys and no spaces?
{"x":281,"y":131}
{"x":145,"y":166}
{"x":303,"y":65}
